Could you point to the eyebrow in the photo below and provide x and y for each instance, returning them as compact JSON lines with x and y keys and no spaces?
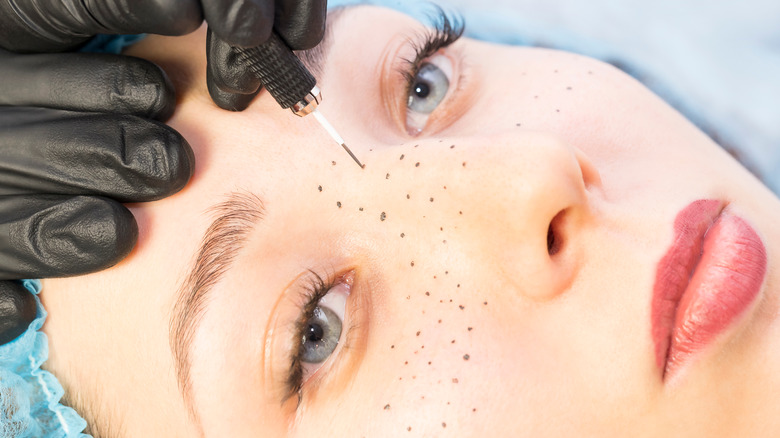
{"x":224,"y":239}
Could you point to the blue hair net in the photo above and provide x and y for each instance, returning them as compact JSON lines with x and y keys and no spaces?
{"x":29,"y":396}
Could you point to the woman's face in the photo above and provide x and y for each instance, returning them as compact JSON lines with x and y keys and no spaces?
{"x":492,"y":273}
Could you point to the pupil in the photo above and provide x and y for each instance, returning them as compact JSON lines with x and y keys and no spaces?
{"x":314,"y":333}
{"x":422,"y":90}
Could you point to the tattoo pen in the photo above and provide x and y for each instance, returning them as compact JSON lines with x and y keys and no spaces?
{"x":288,"y":81}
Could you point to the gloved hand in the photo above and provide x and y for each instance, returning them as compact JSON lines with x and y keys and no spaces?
{"x":35,"y":26}
{"x":66,"y":163}
{"x":75,"y":134}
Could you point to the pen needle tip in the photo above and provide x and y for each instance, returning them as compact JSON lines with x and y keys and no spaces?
{"x":344,"y":145}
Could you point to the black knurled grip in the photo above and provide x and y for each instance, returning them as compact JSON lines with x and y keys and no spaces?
{"x":279,"y":70}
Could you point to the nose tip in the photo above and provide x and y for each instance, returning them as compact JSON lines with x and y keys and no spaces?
{"x":550,"y":209}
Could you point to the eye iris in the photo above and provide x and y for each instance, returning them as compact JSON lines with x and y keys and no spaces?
{"x":321,"y":336}
{"x":430,"y":87}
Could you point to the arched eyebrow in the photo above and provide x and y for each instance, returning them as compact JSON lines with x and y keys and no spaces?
{"x":224,"y":239}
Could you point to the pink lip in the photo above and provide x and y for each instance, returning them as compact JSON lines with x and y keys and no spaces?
{"x":708,"y":277}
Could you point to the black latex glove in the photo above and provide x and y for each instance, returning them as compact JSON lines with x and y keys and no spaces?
{"x":48,"y":26}
{"x":66,"y":164}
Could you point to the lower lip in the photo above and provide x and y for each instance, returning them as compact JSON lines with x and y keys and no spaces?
{"x":697,"y":298}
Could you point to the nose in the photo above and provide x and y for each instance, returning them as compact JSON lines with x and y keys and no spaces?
{"x":532,"y":206}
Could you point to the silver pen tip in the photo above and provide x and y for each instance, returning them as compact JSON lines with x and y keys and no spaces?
{"x":344,"y":145}
{"x":332,"y":131}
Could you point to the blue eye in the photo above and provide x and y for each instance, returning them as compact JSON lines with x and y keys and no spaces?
{"x":426,"y":91}
{"x":321,"y":336}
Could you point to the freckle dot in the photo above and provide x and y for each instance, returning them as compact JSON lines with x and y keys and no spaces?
{"x":406,"y":362}
{"x":446,"y":272}
{"x":452,"y":147}
{"x":427,"y":293}
{"x":455,"y":380}
{"x":461,"y":307}
{"x":458,"y":285}
{"x":418,"y":333}
{"x":471,"y":328}
{"x":407,"y":196}
{"x":333,"y":163}
{"x":557,"y":110}
{"x":444,"y":242}
{"x":392,"y":346}
{"x":439,"y":321}
{"x":443,"y":424}
{"x":429,"y":362}
{"x":409,"y":429}
{"x":387,"y":407}
{"x":464,"y":164}
{"x":402,"y":157}
{"x":417,"y":164}
{"x":412,"y":263}
{"x":431,"y":199}
{"x":452,"y":342}
{"x":474,"y":410}
{"x":402,"y":235}
{"x":387,"y":176}
{"x":466,"y":357}
{"x":460,"y":212}
{"x":383,"y":216}
{"x":361,"y":208}
{"x":485,"y":303}
{"x":423,"y":346}
{"x":568,"y":88}
{"x":416,"y":145}
{"x":518,"y":124}
{"x":338,"y":204}
{"x":319,"y":188}
{"x":441,"y":228}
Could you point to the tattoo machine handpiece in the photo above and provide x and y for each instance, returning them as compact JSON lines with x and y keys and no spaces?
{"x":288,"y":81}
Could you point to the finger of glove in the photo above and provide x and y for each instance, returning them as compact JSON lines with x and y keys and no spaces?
{"x":17,"y":310}
{"x":94,"y":82}
{"x":230,"y":83}
{"x":119,"y":156}
{"x":301,"y":23}
{"x":56,"y":236}
{"x":242,"y":23}
{"x":46,"y":26}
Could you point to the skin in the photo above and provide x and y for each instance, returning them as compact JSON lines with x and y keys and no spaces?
{"x":508,"y":340}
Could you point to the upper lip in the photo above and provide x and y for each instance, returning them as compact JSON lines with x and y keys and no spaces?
{"x":676,"y":268}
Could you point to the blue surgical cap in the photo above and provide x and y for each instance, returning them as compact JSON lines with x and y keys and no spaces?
{"x":29,"y":396}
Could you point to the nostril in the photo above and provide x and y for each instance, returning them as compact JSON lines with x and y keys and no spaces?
{"x":554,"y":238}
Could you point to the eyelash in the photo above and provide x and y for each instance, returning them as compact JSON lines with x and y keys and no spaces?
{"x":444,"y":33}
{"x":311,"y":295}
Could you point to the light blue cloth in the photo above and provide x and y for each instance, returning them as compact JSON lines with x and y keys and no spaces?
{"x":29,"y":396}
